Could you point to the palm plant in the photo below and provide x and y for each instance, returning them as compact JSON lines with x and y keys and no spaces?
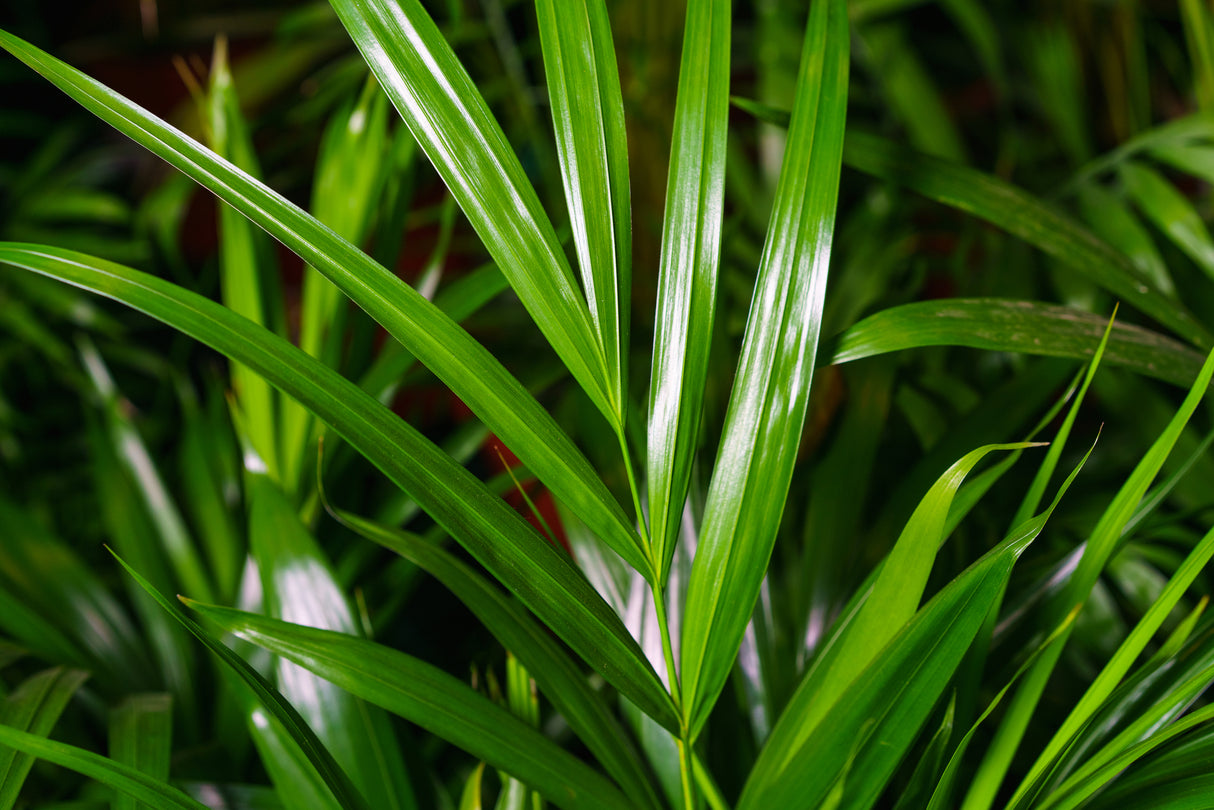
{"x":851,"y":693}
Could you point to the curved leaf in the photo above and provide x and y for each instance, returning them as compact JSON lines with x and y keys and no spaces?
{"x":122,"y":778}
{"x":558,"y":678}
{"x":542,"y":577}
{"x":1016,"y":211}
{"x":446,"y":349}
{"x":880,"y":713}
{"x":430,"y":698}
{"x":1017,"y":326}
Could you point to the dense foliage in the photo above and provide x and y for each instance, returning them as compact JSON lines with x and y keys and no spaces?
{"x":753,"y":405}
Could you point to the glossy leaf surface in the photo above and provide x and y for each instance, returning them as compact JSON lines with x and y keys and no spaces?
{"x":432,"y":699}
{"x":768,"y":399}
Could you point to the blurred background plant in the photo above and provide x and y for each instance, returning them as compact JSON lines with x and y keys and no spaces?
{"x":980,"y":137}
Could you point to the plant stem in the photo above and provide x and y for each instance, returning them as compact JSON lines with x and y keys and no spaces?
{"x":659,"y":605}
{"x":642,"y":524}
{"x":672,"y":677}
{"x":689,"y":802}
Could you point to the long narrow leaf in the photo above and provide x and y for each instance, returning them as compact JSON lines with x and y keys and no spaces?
{"x":885,"y":609}
{"x":462,"y":363}
{"x":34,"y":706}
{"x":333,"y":777}
{"x":431,"y":698}
{"x":299,"y":586}
{"x":768,"y":401}
{"x":1017,"y":326}
{"x":1015,"y":211}
{"x":588,"y":114}
{"x":450,"y":120}
{"x":557,"y":676}
{"x":542,"y":577}
{"x":880,"y":714}
{"x":242,"y":268}
{"x":123,"y":778}
{"x":687,"y":277}
{"x":1117,"y":667}
{"x":1098,"y":550}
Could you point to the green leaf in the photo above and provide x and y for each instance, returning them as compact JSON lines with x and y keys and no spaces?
{"x":1194,"y":159}
{"x":687,"y":275}
{"x":1163,"y":205}
{"x":125,"y":518}
{"x":542,"y":577}
{"x":880,"y":713}
{"x":1111,"y":675}
{"x":1099,"y":548}
{"x":430,"y":698}
{"x":943,"y":791}
{"x":128,"y":446}
{"x":1017,"y":326}
{"x":242,"y":267}
{"x":588,"y":116}
{"x":296,"y":781}
{"x":299,"y":587}
{"x":51,"y":582}
{"x":1026,"y":217}
{"x":470,"y":799}
{"x":1119,"y":754}
{"x":1017,"y":212}
{"x":473,"y":373}
{"x":910,"y":93}
{"x":123,"y":778}
{"x":1113,"y":221}
{"x":349,"y":178}
{"x":1197,"y":21}
{"x":35,"y":707}
{"x":886,"y":608}
{"x":451,"y":122}
{"x":207,"y":470}
{"x":141,"y":735}
{"x":768,"y":400}
{"x":557,"y":676}
{"x":279,"y":709}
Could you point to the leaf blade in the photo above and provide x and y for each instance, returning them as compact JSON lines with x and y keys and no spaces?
{"x":767,"y":406}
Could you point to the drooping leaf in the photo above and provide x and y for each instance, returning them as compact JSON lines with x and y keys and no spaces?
{"x":276,"y":708}
{"x":473,"y":373}
{"x":1017,"y":326}
{"x":431,"y":698}
{"x":123,"y":778}
{"x":554,"y":672}
{"x":1017,"y":212}
{"x":542,"y":577}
